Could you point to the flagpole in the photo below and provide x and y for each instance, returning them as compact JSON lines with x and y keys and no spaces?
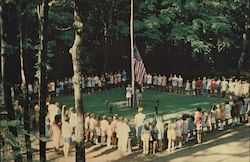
{"x":132,"y":53}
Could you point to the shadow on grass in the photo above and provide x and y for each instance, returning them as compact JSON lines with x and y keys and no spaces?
{"x":214,"y":139}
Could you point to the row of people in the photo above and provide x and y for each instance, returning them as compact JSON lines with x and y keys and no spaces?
{"x":214,"y":86}
{"x":154,"y":135}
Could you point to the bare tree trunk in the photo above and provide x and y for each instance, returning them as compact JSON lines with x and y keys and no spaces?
{"x":2,"y":57}
{"x":24,"y":87}
{"x":42,"y":12}
{"x":75,"y":53}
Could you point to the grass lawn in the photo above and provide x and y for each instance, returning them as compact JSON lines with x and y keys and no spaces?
{"x":169,"y":102}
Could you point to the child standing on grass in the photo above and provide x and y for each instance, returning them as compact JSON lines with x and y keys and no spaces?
{"x":191,"y":125}
{"x":198,"y":124}
{"x":184,"y":129}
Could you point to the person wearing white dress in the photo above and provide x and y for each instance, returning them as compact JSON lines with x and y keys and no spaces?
{"x":179,"y":128}
{"x":139,"y":122}
{"x":104,"y":127}
{"x":129,"y":95}
{"x":160,"y":133}
{"x":149,"y":80}
{"x":164,"y":82}
{"x":188,"y":87}
{"x":228,"y":116}
{"x":224,"y":86}
{"x":194,"y":87}
{"x":180,"y":83}
{"x":208,"y":88}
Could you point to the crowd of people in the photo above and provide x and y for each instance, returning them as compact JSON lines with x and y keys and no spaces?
{"x":155,"y":135}
{"x":206,"y":86}
{"x":116,"y":131}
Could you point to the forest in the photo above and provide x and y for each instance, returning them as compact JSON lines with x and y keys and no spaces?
{"x":40,"y":37}
{"x":188,"y":37}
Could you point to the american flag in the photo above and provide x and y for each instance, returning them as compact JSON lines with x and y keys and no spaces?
{"x":140,"y":70}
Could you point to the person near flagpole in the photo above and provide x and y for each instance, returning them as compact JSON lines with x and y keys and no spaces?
{"x":129,"y":95}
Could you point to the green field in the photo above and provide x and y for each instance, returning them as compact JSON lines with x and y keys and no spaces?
{"x":169,"y":102}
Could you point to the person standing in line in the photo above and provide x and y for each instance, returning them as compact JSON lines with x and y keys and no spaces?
{"x":179,"y":128}
{"x":145,"y":137}
{"x":66,"y":132}
{"x":198,"y":86}
{"x":155,"y":82}
{"x":114,"y":133}
{"x":159,"y":82}
{"x":180,"y":84}
{"x":129,"y":95}
{"x":56,"y":129}
{"x":149,"y":80}
{"x":87,"y":128}
{"x":124,"y":136}
{"x":218,"y":86}
{"x":194,"y":87}
{"x":138,"y":97}
{"x":208,"y":88}
{"x":160,"y":133}
{"x":174,"y":83}
{"x":139,"y":122}
{"x":224,"y":86}
{"x":171,"y":135}
{"x":204,"y":86}
{"x":104,"y":126}
{"x":184,"y":129}
{"x":187,"y":87}
{"x":227,"y":113}
{"x":109,"y":132}
{"x":213,"y":87}
{"x":164,"y":82}
{"x":98,"y":131}
{"x":198,"y":123}
{"x":170,"y":83}
{"x":92,"y":128}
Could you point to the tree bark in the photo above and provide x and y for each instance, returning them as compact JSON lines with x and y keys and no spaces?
{"x":244,"y":40}
{"x":7,"y":92}
{"x":24,"y":87}
{"x":2,"y":57}
{"x":75,"y":53}
{"x":42,"y":12}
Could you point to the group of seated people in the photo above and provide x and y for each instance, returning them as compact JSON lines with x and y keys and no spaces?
{"x":151,"y":134}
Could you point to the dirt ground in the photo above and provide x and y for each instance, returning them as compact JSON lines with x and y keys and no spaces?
{"x":231,"y":145}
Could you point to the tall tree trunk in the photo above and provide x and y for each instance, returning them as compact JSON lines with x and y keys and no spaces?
{"x":2,"y":57}
{"x":42,"y":12}
{"x":24,"y":87}
{"x":7,"y":92}
{"x":75,"y":53}
{"x":244,"y":40}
